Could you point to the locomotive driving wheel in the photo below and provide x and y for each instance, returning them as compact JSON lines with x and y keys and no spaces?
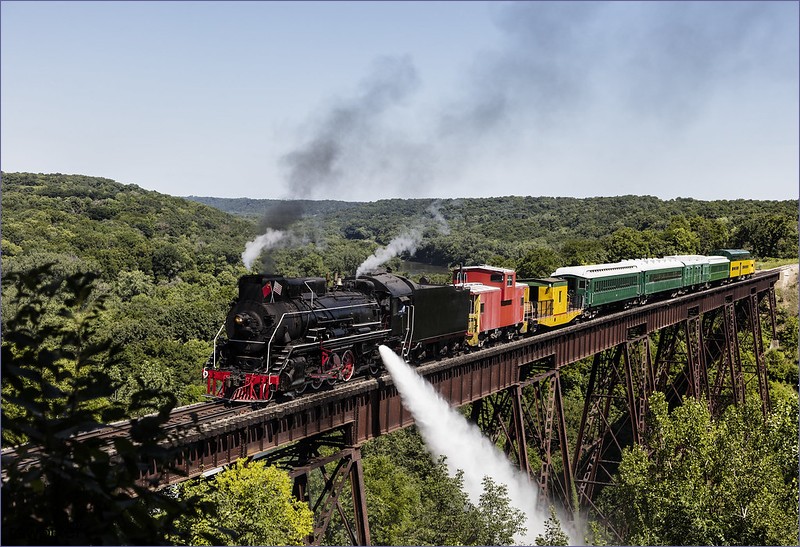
{"x":348,"y":366}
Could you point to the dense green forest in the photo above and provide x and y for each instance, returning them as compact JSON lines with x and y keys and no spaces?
{"x":509,"y":228}
{"x":164,"y":270}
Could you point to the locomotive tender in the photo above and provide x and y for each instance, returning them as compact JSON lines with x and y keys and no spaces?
{"x":284,"y":335}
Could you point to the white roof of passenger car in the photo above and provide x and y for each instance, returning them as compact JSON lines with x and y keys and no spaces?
{"x":649,"y":264}
{"x":699,"y":259}
{"x":690,"y":259}
{"x":597,"y":270}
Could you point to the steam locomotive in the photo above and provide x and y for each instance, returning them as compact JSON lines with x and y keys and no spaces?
{"x":285,"y":335}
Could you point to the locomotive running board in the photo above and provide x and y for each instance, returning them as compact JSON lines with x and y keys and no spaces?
{"x":336,"y":343}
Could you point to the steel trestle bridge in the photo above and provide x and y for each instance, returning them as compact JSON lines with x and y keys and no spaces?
{"x":686,"y":346}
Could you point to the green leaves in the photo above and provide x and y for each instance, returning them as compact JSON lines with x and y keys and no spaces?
{"x":769,"y":234}
{"x":55,"y":385}
{"x":538,"y":262}
{"x":497,"y":521}
{"x":412,"y":500}
{"x":553,"y":534}
{"x":251,"y":504}
{"x":698,"y":481}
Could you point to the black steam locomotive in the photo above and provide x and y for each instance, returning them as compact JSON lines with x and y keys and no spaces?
{"x":287,"y":334}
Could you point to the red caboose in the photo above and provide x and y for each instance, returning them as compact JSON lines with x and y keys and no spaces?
{"x":498,"y":302}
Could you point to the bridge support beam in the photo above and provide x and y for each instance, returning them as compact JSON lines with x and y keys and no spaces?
{"x":348,"y":466}
{"x":758,"y":351}
{"x":696,"y":358}
{"x":531,"y":415}
{"x":322,"y":481}
{"x":592,"y":463}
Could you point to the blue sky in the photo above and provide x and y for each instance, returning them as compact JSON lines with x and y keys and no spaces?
{"x":371,"y":100}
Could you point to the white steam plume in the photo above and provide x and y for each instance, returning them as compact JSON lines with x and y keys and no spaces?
{"x":434,"y":209}
{"x":265,"y":241}
{"x":404,"y":242}
{"x":448,"y":433}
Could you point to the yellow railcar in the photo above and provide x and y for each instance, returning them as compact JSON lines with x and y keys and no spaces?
{"x":742,"y":263}
{"x":547,"y":303}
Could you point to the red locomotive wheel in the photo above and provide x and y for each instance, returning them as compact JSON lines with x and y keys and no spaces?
{"x":348,"y":365}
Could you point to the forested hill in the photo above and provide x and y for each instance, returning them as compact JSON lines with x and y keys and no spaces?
{"x":168,"y":268}
{"x":259,"y":207}
{"x":509,"y":226}
{"x":111,"y":227}
{"x":594,"y":216}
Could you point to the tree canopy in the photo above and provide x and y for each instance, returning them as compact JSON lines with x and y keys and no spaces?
{"x":252,"y":505}
{"x":700,"y":481}
{"x":56,"y":384}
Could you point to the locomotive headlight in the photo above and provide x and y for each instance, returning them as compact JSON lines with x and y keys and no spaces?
{"x":239,"y":320}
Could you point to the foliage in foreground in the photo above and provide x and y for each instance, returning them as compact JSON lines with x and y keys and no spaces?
{"x":55,"y":384}
{"x":253,"y":505}
{"x":553,"y":533}
{"x":699,"y":481}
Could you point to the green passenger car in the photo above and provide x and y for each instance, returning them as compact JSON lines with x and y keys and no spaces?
{"x":635,"y":281}
{"x":719,"y":268}
{"x":659,"y":275}
{"x":601,"y":284}
{"x":703,"y":270}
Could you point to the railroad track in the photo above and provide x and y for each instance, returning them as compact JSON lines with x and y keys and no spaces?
{"x":182,"y":421}
{"x":180,"y":418}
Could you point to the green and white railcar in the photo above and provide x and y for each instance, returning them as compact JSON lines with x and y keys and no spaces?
{"x":598,"y":286}
{"x":719,"y":268}
{"x":601,"y":285}
{"x":695,"y":269}
{"x":659,"y":275}
{"x":702,"y":271}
